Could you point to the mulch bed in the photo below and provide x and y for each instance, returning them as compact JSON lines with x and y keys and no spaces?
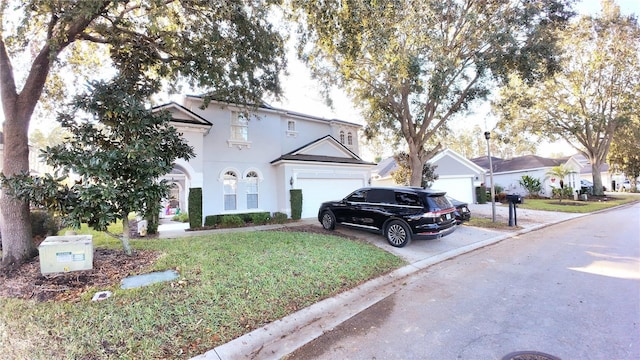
{"x":109,"y":267}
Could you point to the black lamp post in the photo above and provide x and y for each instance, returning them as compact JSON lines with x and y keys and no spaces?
{"x":487,"y":135}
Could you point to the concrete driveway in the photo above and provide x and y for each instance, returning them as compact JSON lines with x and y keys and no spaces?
{"x":465,"y":236}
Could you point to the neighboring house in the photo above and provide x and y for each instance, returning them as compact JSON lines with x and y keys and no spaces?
{"x":610,"y":179}
{"x":247,"y":159}
{"x":507,"y":173}
{"x":457,"y":176}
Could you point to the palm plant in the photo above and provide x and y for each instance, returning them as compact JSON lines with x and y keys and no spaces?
{"x":560,"y":172}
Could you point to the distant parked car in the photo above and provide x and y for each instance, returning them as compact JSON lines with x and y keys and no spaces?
{"x":586,"y":187}
{"x":462,"y":210}
{"x":398,"y":213}
{"x":626,"y":185}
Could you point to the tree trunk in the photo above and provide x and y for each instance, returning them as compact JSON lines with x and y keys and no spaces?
{"x":416,"y":169}
{"x":15,"y":224}
{"x":597,"y":178}
{"x":125,"y":235}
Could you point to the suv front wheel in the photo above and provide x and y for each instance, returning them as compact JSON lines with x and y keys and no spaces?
{"x":328,"y":220}
{"x":397,"y":233}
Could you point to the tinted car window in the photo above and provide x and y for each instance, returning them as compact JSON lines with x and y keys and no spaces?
{"x":439,"y":202}
{"x":358,"y":196}
{"x":408,"y":199}
{"x":381,"y":196}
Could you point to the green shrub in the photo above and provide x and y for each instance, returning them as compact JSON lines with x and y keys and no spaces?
{"x":279,"y":218}
{"x":562,"y":193}
{"x":44,"y":224}
{"x":531,"y":184}
{"x":296,"y":203}
{"x":481,"y":194}
{"x":229,"y":221}
{"x":195,"y":208}
{"x":182,"y":217}
{"x":211,"y":220}
{"x":260,"y":218}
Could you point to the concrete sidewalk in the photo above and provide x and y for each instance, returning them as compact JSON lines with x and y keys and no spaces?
{"x":282,"y":337}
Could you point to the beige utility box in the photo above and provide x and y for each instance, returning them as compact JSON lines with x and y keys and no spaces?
{"x":66,"y":253}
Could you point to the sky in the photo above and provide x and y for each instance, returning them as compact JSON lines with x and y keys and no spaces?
{"x":302,"y":94}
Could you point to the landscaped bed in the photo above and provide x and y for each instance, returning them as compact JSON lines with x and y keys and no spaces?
{"x":229,"y":284}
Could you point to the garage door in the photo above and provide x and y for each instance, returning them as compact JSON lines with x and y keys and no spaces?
{"x":458,"y":188}
{"x":317,"y":191}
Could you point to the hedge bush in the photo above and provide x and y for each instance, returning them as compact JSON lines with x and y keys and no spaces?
{"x":195,"y":208}
{"x":279,"y":218}
{"x":296,"y":203}
{"x":228,"y":221}
{"x":260,"y":218}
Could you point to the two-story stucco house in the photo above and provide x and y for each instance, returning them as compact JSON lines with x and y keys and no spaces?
{"x":247,"y":159}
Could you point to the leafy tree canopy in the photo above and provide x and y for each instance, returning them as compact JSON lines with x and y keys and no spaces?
{"x":226,"y":48}
{"x":413,"y":65}
{"x":118,"y":152}
{"x":624,"y":154}
{"x":402,"y":174}
{"x":592,"y":97}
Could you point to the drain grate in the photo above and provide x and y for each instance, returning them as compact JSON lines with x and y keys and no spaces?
{"x":529,"y":355}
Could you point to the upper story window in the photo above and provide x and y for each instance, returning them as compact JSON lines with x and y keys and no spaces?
{"x":239,"y":130}
{"x":341,"y":137}
{"x":349,"y":139}
{"x":239,"y":127}
{"x":291,"y":128}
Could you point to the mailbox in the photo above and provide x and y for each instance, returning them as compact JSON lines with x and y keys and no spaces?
{"x":515,"y":198}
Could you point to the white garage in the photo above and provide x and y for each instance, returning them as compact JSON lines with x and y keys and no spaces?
{"x":324,"y":170}
{"x":459,"y":188}
{"x":318,"y":190}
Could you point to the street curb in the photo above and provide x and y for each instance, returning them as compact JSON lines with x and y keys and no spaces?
{"x":282,"y":337}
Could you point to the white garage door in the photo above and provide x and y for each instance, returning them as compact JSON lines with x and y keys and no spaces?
{"x":317,"y":191}
{"x":460,"y":189}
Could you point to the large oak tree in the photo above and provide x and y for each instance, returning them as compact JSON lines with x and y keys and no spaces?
{"x":594,"y":95}
{"x":412,"y":65}
{"x":226,"y":47}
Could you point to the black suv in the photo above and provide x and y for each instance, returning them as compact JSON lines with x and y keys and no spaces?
{"x":399,"y":213}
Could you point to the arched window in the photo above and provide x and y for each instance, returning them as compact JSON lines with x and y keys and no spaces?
{"x":341,"y":137}
{"x":252,"y":190}
{"x":349,"y":138}
{"x":230,"y":189}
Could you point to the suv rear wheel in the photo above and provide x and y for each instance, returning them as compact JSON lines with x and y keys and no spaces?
{"x":328,"y":220}
{"x":397,"y":233}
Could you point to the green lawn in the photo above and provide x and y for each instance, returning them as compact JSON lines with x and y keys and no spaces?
{"x":230,"y":284}
{"x":554,"y":205}
{"x":577,"y":206}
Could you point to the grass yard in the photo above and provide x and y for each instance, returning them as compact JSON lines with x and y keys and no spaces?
{"x":572,"y":206}
{"x":229,"y":285}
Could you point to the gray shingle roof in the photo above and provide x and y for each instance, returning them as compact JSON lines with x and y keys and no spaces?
{"x":518,"y":163}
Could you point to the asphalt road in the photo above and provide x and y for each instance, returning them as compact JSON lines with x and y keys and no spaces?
{"x":571,"y":290}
